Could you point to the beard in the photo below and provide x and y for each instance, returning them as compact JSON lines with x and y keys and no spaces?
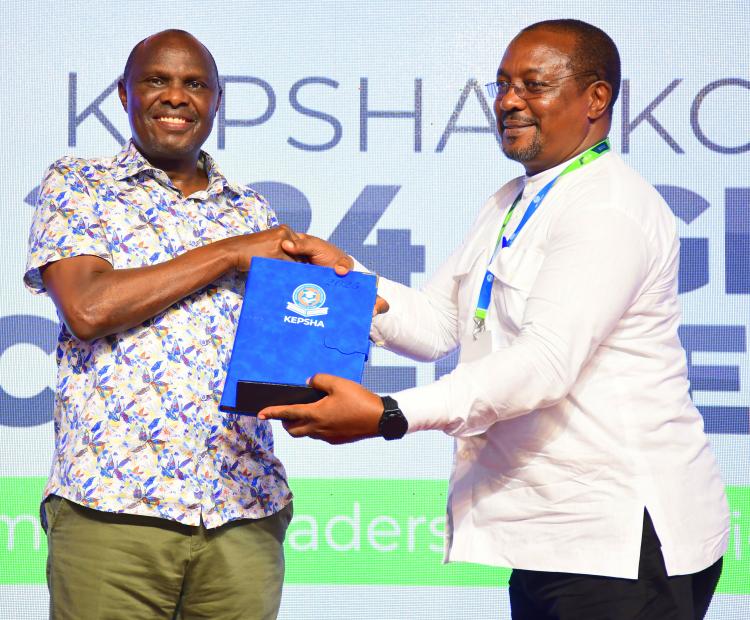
{"x":526,"y":152}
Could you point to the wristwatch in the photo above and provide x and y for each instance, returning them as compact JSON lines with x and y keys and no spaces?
{"x":393,"y":424}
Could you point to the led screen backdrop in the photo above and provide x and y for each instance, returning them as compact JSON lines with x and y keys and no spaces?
{"x":366,"y":123}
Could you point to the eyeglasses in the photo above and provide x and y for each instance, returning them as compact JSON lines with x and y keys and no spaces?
{"x":529,"y":89}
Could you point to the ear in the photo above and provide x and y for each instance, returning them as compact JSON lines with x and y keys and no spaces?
{"x":123,"y":94}
{"x":600,"y":93}
{"x":218,"y":100}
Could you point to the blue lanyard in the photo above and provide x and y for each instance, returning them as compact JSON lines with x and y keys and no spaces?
{"x":483,"y":303}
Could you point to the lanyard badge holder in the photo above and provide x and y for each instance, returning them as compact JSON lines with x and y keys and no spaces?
{"x":483,"y":303}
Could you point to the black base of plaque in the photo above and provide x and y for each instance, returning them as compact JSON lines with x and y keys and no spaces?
{"x":252,"y":396}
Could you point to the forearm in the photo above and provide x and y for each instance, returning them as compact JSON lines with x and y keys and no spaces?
{"x":112,"y":300}
{"x":417,"y":325}
{"x":529,"y":375}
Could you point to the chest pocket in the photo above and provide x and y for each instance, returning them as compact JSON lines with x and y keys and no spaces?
{"x":468,"y":273}
{"x":515,"y":270}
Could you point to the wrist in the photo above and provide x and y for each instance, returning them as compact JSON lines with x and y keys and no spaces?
{"x":393,"y":424}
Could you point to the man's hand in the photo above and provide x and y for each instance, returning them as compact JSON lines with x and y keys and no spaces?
{"x":318,"y":252}
{"x":349,"y":412}
{"x":267,"y":243}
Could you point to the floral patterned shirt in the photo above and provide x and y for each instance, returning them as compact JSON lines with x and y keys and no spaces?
{"x":137,"y":425}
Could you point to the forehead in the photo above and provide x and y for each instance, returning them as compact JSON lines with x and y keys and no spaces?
{"x":173,"y":53}
{"x":538,"y":51}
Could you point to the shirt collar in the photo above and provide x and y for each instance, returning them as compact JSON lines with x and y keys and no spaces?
{"x":536,"y":182}
{"x":129,"y":162}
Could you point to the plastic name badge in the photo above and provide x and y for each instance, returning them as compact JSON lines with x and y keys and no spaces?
{"x":296,"y":320}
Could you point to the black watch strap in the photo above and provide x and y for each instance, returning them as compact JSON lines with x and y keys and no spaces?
{"x":393,"y":423}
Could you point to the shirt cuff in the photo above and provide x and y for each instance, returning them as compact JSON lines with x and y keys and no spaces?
{"x":426,"y":407}
{"x":389,"y":291}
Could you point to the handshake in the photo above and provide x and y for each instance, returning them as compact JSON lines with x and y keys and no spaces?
{"x":283,"y":243}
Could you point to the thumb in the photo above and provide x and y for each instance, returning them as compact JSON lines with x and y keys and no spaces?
{"x":302,"y":246}
{"x":289,"y":246}
{"x":323,"y":382}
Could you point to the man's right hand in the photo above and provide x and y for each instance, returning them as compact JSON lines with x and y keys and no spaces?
{"x":318,"y":252}
{"x":267,"y":243}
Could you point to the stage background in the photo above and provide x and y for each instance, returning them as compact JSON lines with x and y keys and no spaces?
{"x":367,"y":123}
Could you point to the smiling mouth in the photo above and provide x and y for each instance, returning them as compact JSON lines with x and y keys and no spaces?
{"x":517,"y":126}
{"x":175,"y":121}
{"x":513,"y":131}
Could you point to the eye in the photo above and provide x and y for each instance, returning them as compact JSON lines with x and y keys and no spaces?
{"x":195,"y":85}
{"x":154,"y":81}
{"x":536,"y":87}
{"x":503,"y":86}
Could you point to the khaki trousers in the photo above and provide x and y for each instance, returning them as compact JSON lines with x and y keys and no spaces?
{"x":107,"y":566}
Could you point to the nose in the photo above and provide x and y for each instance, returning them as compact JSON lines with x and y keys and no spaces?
{"x":509,"y":101}
{"x":174,"y":94}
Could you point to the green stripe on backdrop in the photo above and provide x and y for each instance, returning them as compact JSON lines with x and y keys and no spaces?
{"x":379,"y":532}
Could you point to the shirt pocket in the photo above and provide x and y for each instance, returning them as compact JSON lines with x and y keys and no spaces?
{"x":515,"y":270}
{"x":468,"y":274}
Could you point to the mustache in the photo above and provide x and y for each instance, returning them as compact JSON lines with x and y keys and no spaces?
{"x":518,"y":118}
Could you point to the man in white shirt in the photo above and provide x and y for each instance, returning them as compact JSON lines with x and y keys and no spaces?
{"x":580,"y":460}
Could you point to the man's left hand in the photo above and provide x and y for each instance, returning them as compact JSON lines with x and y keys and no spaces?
{"x":349,"y":412}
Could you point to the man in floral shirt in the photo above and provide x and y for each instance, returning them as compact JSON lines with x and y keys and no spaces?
{"x":157,"y":504}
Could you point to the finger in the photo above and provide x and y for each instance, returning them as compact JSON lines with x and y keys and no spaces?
{"x":343,"y":265}
{"x":291,"y":413}
{"x":324,"y":382}
{"x":298,"y":245}
{"x":381,"y":306}
{"x":297,"y":430}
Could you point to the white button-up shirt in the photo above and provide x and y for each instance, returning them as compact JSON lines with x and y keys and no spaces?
{"x":580,"y":416}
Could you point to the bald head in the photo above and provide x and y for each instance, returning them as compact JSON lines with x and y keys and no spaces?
{"x":158,"y":39}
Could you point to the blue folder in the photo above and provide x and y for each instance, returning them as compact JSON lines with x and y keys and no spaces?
{"x":296,"y":320}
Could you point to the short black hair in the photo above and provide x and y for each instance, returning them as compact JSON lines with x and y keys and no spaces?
{"x":595,"y":51}
{"x":131,"y":56}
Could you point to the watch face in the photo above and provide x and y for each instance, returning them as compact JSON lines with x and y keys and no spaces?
{"x":393,"y":424}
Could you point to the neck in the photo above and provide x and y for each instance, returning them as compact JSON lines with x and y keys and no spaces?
{"x":591,"y":139}
{"x":184,"y":173}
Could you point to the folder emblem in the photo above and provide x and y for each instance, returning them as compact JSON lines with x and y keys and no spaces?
{"x":308,"y":300}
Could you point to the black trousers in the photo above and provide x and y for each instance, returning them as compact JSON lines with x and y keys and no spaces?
{"x":536,"y":595}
